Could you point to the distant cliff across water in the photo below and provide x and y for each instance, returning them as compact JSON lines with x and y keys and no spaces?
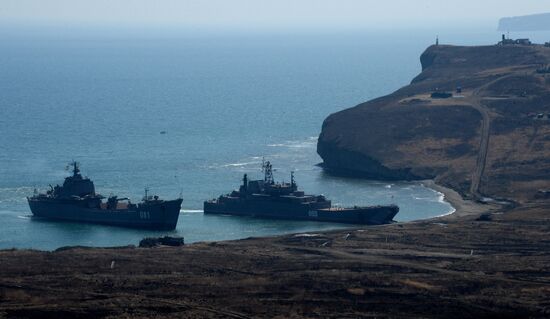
{"x":534,"y":22}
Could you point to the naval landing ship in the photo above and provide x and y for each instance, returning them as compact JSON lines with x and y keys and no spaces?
{"x":77,"y":201}
{"x":267,"y":199}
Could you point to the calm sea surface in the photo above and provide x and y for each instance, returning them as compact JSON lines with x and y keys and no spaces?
{"x":224,"y":102}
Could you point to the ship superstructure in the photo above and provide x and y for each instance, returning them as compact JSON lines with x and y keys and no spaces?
{"x":77,"y":201}
{"x":268,"y":199}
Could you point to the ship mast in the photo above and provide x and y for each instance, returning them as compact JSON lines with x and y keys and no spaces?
{"x":146,"y":197}
{"x":267,"y":168}
{"x":76,"y":169}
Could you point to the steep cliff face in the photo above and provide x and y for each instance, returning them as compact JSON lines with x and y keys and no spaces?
{"x":471,"y":142}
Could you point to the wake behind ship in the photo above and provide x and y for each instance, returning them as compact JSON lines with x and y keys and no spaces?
{"x":77,"y":201}
{"x":267,"y":199}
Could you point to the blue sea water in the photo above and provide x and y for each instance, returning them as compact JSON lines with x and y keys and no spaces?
{"x":224,"y":101}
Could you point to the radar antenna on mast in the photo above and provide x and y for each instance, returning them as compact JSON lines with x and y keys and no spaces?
{"x":76,"y":167}
{"x":267,"y":168}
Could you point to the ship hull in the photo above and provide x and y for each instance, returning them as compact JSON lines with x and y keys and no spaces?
{"x":374,"y":215}
{"x":162,"y":215}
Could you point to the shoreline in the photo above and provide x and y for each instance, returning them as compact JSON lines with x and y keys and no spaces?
{"x":462,"y":207}
{"x":445,"y":194}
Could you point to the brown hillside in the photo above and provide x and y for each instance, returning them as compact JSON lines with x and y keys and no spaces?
{"x":488,"y":141}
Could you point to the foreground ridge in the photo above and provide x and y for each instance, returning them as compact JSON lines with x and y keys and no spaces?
{"x":431,"y":269}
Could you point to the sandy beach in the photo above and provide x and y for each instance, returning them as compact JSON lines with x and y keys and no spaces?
{"x":463,"y":207}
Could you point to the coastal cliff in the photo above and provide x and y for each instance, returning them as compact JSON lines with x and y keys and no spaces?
{"x":533,"y":22}
{"x":491,"y":139}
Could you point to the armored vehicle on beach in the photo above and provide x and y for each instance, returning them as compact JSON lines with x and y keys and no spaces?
{"x":267,"y":199}
{"x":77,"y":201}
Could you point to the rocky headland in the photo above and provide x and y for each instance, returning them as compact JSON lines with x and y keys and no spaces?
{"x":490,"y":140}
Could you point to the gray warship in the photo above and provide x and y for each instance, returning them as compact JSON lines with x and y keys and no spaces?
{"x":77,"y":201}
{"x":267,"y":199}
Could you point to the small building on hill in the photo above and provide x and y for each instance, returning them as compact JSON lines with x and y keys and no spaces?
{"x":441,"y":95}
{"x":506,"y":41}
{"x":523,"y":41}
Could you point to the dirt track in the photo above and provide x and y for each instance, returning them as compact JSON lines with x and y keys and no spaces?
{"x":483,"y":145}
{"x":476,"y":102}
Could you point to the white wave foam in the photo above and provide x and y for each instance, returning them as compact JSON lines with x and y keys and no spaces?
{"x":229,"y":165}
{"x":191,"y":211}
{"x":240,"y":164}
{"x":293,"y":145}
{"x":16,"y":189}
{"x":441,"y":198}
{"x":308,"y":143}
{"x":307,"y":235}
{"x":451,"y":211}
{"x":423,"y":198}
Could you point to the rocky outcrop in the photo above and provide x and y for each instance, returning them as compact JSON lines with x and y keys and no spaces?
{"x":354,"y":163}
{"x":493,"y":122}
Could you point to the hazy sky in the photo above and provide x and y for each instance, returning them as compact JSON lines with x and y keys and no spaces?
{"x":256,"y":14}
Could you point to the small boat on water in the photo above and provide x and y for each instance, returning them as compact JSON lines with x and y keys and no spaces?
{"x":267,"y":199}
{"x":77,"y":201}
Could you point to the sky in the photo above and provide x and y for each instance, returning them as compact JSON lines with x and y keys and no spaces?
{"x":265,"y":14}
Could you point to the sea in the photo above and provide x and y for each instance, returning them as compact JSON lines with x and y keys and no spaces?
{"x":187,"y":114}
